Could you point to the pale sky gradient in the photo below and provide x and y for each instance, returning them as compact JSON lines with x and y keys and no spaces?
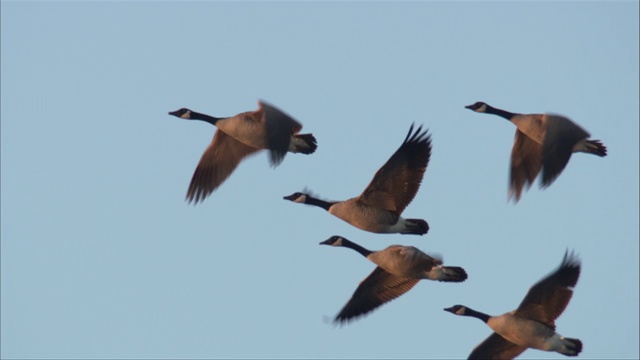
{"x":102,"y":258}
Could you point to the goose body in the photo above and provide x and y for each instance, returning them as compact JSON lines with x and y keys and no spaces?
{"x":542,"y":142}
{"x":378,"y":209}
{"x":374,"y":219}
{"x":239,"y":136}
{"x":530,"y":333}
{"x":532,"y":324}
{"x":398,"y":269}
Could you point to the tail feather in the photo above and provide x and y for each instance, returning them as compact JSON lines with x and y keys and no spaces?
{"x":304,"y":143}
{"x":573,"y":347}
{"x":452,"y":274}
{"x":416,"y":227}
{"x":596,"y":147}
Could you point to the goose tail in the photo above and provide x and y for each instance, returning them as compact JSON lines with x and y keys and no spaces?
{"x":596,"y":147}
{"x":452,"y":274}
{"x":304,"y":143}
{"x":415,"y":227}
{"x":572,"y":347}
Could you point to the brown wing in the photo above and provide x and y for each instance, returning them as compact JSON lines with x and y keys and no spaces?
{"x":548,"y":298}
{"x":496,"y":347}
{"x":378,"y":288}
{"x":526,"y":162}
{"x":216,"y":164}
{"x":280,"y":126}
{"x":396,"y":183}
{"x":561,"y":136}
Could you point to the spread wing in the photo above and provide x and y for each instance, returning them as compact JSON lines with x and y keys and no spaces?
{"x":378,"y":288}
{"x":548,"y":298}
{"x":216,"y":164}
{"x":496,"y":347}
{"x":280,"y":126}
{"x":526,"y":162}
{"x":396,"y":183}
{"x":561,"y":136}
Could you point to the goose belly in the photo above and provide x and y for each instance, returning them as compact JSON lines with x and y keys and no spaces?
{"x":365,"y":217}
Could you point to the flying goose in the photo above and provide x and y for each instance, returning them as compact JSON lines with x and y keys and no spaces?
{"x":399,"y":269}
{"x":542,"y":141}
{"x":396,"y":183}
{"x":532,"y":324}
{"x":240,"y":136}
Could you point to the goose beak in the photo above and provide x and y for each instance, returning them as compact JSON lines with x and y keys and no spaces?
{"x":470,"y":107}
{"x":174,"y":113}
{"x":326,"y":242}
{"x":290,"y":197}
{"x":449,"y":310}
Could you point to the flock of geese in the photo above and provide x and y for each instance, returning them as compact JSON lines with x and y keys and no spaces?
{"x":543,"y":142}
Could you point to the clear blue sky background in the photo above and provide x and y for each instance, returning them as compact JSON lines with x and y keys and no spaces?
{"x":102,"y":257}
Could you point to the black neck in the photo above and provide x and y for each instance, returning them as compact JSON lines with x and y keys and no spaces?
{"x":477,"y":314}
{"x":351,"y":245}
{"x":317,"y":202}
{"x":502,"y":113}
{"x":204,"y":117}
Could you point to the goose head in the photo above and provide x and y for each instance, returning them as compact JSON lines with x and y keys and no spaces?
{"x":335,"y":240}
{"x":297,"y":197}
{"x":477,"y":107}
{"x":457,"y":309}
{"x":182,"y":113}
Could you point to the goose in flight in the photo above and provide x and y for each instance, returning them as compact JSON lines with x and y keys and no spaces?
{"x":532,"y":324}
{"x":398,"y":269}
{"x":396,"y":183}
{"x":239,"y":136}
{"x":542,"y":142}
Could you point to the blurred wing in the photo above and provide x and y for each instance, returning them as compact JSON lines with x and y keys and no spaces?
{"x":279,"y":127}
{"x":561,"y":136}
{"x":216,"y":164}
{"x":496,"y":347}
{"x":378,"y":288}
{"x":413,"y":255}
{"x":396,"y":183}
{"x":548,"y":298}
{"x":526,"y":162}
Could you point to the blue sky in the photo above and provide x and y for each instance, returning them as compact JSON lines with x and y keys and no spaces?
{"x":102,"y":258}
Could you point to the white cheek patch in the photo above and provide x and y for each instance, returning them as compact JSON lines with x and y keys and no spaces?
{"x":301,"y":199}
{"x":186,"y":115}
